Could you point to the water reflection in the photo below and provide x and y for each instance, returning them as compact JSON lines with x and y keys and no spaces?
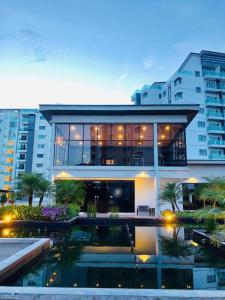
{"x":123,"y":257}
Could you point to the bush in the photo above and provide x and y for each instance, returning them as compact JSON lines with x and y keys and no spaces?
{"x":23,"y":212}
{"x":91,"y":210}
{"x":6,"y":210}
{"x":73,"y":210}
{"x":54,"y":213}
{"x":114,"y":212}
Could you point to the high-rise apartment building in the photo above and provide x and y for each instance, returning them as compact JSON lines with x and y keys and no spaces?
{"x":199,"y":80}
{"x":24,"y":145}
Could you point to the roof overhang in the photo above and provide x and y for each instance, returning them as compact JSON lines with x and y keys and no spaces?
{"x":189,"y":110}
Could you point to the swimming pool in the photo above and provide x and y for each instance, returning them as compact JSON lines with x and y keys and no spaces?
{"x":126,"y":256}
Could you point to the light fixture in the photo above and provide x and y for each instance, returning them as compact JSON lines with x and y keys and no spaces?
{"x":5,"y":232}
{"x":119,"y":143}
{"x":7,"y":218}
{"x":77,"y":136}
{"x":163,"y":136}
{"x":119,"y":285}
{"x":100,"y":143}
{"x":81,"y":143}
{"x":139,"y":143}
{"x":120,"y":128}
{"x":167,"y":128}
{"x":75,"y":284}
{"x":159,"y":143}
{"x":144,"y":128}
{"x":97,"y":284}
{"x":72,"y":127}
{"x":141,"y":136}
{"x":120,"y":136}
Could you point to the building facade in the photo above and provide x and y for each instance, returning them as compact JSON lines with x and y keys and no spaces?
{"x":200,"y":80}
{"x":25,"y":138}
{"x":124,"y":154}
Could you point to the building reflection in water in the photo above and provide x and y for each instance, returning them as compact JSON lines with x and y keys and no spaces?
{"x":126,"y":256}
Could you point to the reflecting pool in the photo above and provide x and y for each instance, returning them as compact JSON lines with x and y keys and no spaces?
{"x":122,"y":257}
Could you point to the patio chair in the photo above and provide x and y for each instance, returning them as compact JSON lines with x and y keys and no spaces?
{"x":143,"y":209}
{"x":152,"y":211}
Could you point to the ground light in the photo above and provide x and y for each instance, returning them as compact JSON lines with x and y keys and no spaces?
{"x":7,"y":218}
{"x":169,"y":216}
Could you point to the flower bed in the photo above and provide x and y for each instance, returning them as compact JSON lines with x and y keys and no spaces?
{"x":36,"y":213}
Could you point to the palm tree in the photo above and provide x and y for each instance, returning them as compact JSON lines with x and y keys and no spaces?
{"x":44,"y":187}
{"x":214,"y":192}
{"x":28,"y":185}
{"x":69,"y":192}
{"x":171,"y":193}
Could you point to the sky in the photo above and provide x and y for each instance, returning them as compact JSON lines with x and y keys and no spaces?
{"x":98,"y":51}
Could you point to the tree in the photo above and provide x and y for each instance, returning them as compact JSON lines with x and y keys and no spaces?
{"x":171,"y":193}
{"x":28,"y":185}
{"x":45,"y":187}
{"x":69,"y":192}
{"x":214,"y":191}
{"x":3,"y":199}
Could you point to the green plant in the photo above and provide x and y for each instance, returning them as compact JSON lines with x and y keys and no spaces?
{"x":69,"y":192}
{"x":12,"y":198}
{"x":23,"y":212}
{"x":44,"y":187}
{"x":73,"y":210}
{"x":91,"y":210}
{"x":28,"y":185}
{"x":3,"y":199}
{"x":172,"y":193}
{"x":114,"y":212}
{"x":6,"y":210}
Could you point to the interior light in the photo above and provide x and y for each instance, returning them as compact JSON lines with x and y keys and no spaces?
{"x":100,"y":143}
{"x":144,"y":128}
{"x":97,"y":284}
{"x":75,"y":284}
{"x":119,"y":143}
{"x":77,"y":136}
{"x":119,"y":285}
{"x":72,"y":127}
{"x":163,"y":136}
{"x":167,"y":128}
{"x":141,"y":136}
{"x":5,"y":232}
{"x":120,"y":136}
{"x":120,"y":128}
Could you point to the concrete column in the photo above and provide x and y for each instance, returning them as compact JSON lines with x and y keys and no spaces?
{"x":157,"y":173}
{"x":52,"y":151}
{"x":155,"y":137}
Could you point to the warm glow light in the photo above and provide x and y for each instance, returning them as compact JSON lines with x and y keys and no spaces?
{"x":120,"y":128}
{"x":119,"y":285}
{"x":194,"y":244}
{"x":72,"y":127}
{"x":120,"y":136}
{"x":169,"y":228}
{"x":159,"y":143}
{"x":77,"y":136}
{"x":54,"y":273}
{"x":51,"y":280}
{"x":119,"y":143}
{"x":100,"y":143}
{"x":5,"y":232}
{"x":169,"y":216}
{"x":7,"y":218}
{"x":97,"y":284}
{"x":192,"y":180}
{"x":141,"y":136}
{"x":163,"y":136}
{"x":139,"y":143}
{"x":144,"y":258}
{"x":167,"y":128}
{"x":144,"y":128}
{"x":96,"y":128}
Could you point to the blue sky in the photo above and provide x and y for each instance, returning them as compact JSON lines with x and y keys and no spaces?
{"x":98,"y":51}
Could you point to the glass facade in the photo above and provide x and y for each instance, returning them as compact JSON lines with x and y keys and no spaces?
{"x":171,"y":145}
{"x":104,"y":144}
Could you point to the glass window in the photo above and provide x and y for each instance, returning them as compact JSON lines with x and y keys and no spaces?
{"x":76,"y":132}
{"x":171,"y":145}
{"x":75,"y":153}
{"x":104,"y":144}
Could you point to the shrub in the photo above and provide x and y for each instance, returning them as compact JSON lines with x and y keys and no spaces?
{"x":6,"y":210}
{"x":54,"y":213}
{"x":114,"y":212}
{"x":91,"y":210}
{"x":73,"y":210}
{"x":23,"y":212}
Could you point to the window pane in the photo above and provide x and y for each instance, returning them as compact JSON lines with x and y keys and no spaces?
{"x":175,"y":129}
{"x":90,"y":132}
{"x":62,"y":131}
{"x":104,"y":132}
{"x":118,"y":132}
{"x":89,"y":153}
{"x":132,"y":132}
{"x":146,"y":153}
{"x":61,"y":153}
{"x":76,"y":132}
{"x":75,"y":153}
{"x":164,"y":132}
{"x":146,"y":132}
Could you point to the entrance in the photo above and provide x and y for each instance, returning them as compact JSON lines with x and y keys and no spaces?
{"x":106,"y":194}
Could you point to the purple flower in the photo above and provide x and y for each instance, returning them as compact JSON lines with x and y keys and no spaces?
{"x":54,"y":213}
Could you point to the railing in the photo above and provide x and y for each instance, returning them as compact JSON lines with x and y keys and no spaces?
{"x":211,"y":73}
{"x":216,"y":128}
{"x":213,"y":101}
{"x":217,"y":156}
{"x":214,"y":114}
{"x":217,"y":142}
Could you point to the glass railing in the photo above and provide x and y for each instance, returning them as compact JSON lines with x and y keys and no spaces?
{"x":213,"y":101}
{"x":210,"y":73}
{"x":217,"y":156}
{"x":214,"y":114}
{"x":217,"y":142}
{"x":216,"y":128}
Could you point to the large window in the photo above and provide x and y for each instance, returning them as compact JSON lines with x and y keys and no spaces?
{"x":104,"y":144}
{"x":171,"y":145}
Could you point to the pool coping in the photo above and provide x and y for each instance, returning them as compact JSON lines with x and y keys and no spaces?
{"x":16,"y":261}
{"x":45,"y":293}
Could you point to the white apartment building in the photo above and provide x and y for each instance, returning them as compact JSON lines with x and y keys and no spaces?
{"x":25,"y":138}
{"x":199,"y":80}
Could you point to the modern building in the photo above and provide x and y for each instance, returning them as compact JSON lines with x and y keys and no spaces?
{"x":124,"y":153}
{"x":25,"y":138}
{"x":200,"y":80}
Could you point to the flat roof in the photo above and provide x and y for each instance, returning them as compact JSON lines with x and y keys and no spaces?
{"x":190,"y":110}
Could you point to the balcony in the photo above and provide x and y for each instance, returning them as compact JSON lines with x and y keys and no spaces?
{"x":214,"y":115}
{"x":213,"y":102}
{"x":216,"y":128}
{"x":23,"y":129}
{"x":216,"y":143}
{"x":216,"y":156}
{"x":211,"y":74}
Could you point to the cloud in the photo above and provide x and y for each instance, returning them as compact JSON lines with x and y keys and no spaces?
{"x":148,"y":62}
